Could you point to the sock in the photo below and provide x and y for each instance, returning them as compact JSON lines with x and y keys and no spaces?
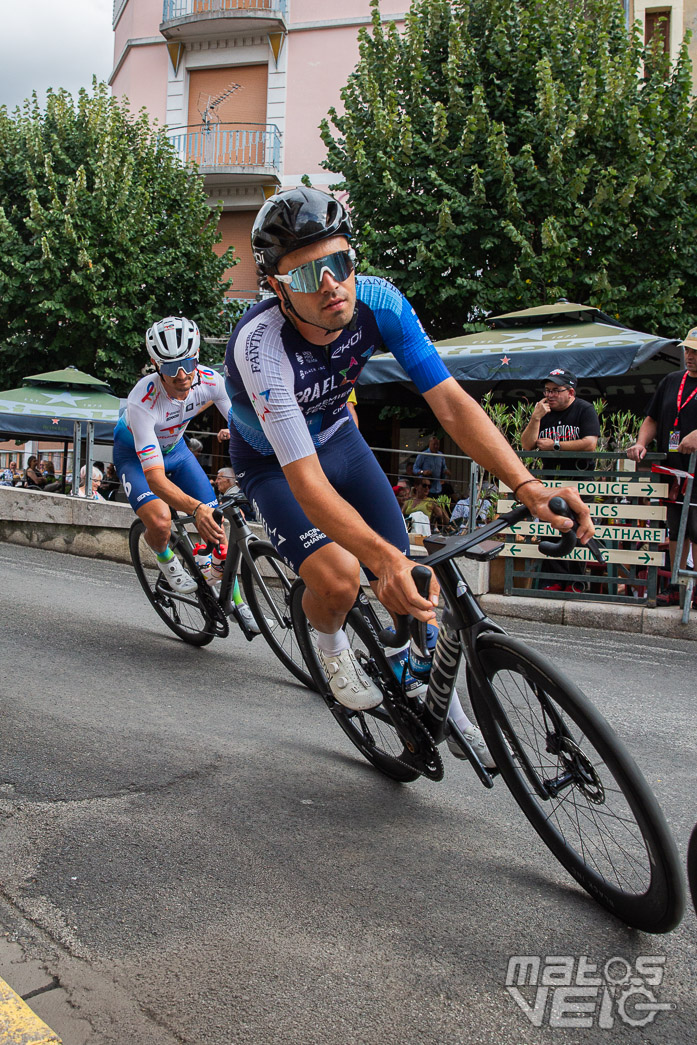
{"x":396,"y":658}
{"x":236,"y":596}
{"x":457,"y":715}
{"x":332,"y":643}
{"x":166,"y":555}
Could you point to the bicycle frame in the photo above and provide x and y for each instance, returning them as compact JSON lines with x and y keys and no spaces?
{"x":463,"y":620}
{"x":241,"y":536}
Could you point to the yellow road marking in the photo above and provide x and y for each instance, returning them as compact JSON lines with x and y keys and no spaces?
{"x":19,"y":1025}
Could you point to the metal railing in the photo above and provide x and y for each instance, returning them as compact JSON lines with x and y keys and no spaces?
{"x":172,"y":9}
{"x":226,"y":145}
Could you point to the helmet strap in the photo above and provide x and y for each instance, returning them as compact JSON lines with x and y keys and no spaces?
{"x":291,"y":311}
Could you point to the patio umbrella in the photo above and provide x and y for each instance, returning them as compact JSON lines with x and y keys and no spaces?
{"x":46,"y":406}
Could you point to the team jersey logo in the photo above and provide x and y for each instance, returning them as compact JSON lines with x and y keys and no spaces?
{"x":147,"y":453}
{"x":149,"y":392}
{"x":260,"y":406}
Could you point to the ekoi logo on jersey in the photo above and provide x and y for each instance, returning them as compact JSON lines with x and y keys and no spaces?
{"x":259,"y":402}
{"x":147,"y":453}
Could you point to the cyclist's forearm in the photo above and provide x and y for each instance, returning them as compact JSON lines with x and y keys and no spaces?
{"x":162,"y":487}
{"x":475,"y":433}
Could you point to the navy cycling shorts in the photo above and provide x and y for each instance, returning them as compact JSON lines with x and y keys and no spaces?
{"x":181,"y":467}
{"x":351,"y":468}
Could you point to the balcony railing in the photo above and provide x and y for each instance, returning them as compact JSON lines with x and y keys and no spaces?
{"x":174,"y":9}
{"x":224,"y":147}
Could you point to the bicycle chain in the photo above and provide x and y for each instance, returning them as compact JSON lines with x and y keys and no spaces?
{"x":214,"y":611}
{"x":423,"y":753}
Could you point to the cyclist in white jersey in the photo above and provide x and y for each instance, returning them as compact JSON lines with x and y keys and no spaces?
{"x":286,"y":359}
{"x":153,"y":461}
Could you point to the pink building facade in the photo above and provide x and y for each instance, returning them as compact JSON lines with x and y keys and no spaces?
{"x":241,"y":86}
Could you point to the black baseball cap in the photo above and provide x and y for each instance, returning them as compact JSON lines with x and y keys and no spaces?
{"x":562,"y":377}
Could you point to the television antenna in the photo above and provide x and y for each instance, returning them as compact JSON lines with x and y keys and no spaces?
{"x":209,"y":114}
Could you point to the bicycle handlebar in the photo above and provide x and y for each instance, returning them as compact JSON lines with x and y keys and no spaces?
{"x":422,"y":574}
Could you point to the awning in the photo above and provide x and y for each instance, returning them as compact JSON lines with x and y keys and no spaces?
{"x":523,"y":347}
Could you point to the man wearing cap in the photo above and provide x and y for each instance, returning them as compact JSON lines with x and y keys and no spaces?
{"x":559,"y":422}
{"x":671,"y":419}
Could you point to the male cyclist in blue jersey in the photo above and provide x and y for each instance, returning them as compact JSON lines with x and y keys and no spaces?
{"x":290,"y":366}
{"x":155,"y":465}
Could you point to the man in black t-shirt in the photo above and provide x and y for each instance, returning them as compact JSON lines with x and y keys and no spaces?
{"x":671,"y":419}
{"x":560,"y":421}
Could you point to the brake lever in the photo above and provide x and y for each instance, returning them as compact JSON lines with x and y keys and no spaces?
{"x":568,"y":540}
{"x":218,"y":517}
{"x":404,"y":626}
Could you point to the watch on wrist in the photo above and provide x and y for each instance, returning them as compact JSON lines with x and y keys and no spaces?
{"x":556,"y":444}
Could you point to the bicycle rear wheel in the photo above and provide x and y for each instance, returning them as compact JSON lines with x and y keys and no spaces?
{"x":184,"y":614}
{"x":372,"y":732}
{"x":692,"y":866}
{"x":267,"y":586}
{"x":577,"y":785}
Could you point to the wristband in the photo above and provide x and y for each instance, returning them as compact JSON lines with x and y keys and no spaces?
{"x":524,"y":483}
{"x":193,"y":514}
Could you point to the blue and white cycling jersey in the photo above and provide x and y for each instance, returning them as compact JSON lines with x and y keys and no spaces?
{"x":154,"y":424}
{"x":289,"y":397}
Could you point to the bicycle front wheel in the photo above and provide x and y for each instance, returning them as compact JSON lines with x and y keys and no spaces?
{"x":267,"y":585}
{"x":577,"y":784}
{"x":372,"y":732}
{"x":184,"y":614}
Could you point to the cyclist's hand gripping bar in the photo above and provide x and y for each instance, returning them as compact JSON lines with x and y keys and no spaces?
{"x":218,"y":517}
{"x":406,"y":626}
{"x":568,"y":540}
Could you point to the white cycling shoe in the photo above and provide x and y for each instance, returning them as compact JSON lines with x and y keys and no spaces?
{"x":473,"y":736}
{"x":348,"y":682}
{"x":177,"y":577}
{"x":247,"y":617}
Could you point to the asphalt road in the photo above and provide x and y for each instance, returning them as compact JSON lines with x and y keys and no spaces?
{"x":194,"y":853}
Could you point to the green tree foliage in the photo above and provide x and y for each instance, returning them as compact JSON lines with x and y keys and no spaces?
{"x":501,"y":155}
{"x":102,"y":231}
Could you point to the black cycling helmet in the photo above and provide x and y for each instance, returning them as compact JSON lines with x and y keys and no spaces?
{"x":294,"y":219}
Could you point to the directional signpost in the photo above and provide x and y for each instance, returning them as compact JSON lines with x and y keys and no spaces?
{"x":629,"y":523}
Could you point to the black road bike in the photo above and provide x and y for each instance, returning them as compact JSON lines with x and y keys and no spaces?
{"x":202,"y":615}
{"x":570,"y":774}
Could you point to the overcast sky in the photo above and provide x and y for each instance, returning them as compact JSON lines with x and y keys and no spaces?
{"x":53,"y":43}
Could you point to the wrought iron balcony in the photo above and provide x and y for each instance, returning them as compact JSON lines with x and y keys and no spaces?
{"x":183,"y":18}
{"x":229,"y":148}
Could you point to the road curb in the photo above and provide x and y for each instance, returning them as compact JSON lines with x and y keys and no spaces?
{"x":661,"y":621}
{"x":19,"y":1025}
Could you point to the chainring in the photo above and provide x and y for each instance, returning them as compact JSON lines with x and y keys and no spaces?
{"x":421,"y":753}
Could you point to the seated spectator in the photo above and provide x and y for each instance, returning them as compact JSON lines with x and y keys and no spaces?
{"x":421,"y":501}
{"x":110,"y":483}
{"x":48,"y":471}
{"x":16,"y":474}
{"x":96,"y":479}
{"x":402,"y":491}
{"x":6,"y":478}
{"x":225,"y":483}
{"x":33,"y":479}
{"x":461,"y":511}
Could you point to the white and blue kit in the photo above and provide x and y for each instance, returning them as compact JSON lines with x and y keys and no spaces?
{"x":288,"y":401}
{"x":150,"y":433}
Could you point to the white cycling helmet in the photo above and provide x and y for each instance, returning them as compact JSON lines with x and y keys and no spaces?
{"x":173,"y":338}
